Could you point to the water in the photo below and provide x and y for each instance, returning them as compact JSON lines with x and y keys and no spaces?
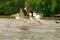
{"x":10,"y":30}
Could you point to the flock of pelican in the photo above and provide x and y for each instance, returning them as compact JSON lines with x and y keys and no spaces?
{"x":36,"y":17}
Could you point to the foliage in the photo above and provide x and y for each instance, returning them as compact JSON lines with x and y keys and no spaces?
{"x":45,"y":7}
{"x":10,"y":6}
{"x":57,"y":9}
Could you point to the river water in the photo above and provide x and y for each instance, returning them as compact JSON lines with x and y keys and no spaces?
{"x":12,"y":29}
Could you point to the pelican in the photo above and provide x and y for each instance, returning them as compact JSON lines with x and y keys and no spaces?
{"x":17,"y":16}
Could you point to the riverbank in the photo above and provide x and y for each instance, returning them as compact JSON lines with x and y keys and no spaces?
{"x":44,"y":18}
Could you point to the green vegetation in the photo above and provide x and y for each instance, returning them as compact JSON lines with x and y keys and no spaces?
{"x":10,"y":6}
{"x":44,"y":7}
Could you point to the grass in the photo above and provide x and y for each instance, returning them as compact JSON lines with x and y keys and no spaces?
{"x":3,"y":16}
{"x":51,"y":18}
{"x":44,"y":18}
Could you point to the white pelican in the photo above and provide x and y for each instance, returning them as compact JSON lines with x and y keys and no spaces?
{"x":17,"y":16}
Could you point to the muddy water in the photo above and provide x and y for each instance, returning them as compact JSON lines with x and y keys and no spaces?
{"x":10,"y":29}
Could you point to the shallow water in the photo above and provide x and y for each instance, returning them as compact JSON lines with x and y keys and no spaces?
{"x":10,"y":29}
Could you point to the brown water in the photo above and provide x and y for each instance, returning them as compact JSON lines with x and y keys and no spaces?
{"x":10,"y":29}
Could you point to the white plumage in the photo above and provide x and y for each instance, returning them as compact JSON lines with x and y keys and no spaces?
{"x":17,"y":17}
